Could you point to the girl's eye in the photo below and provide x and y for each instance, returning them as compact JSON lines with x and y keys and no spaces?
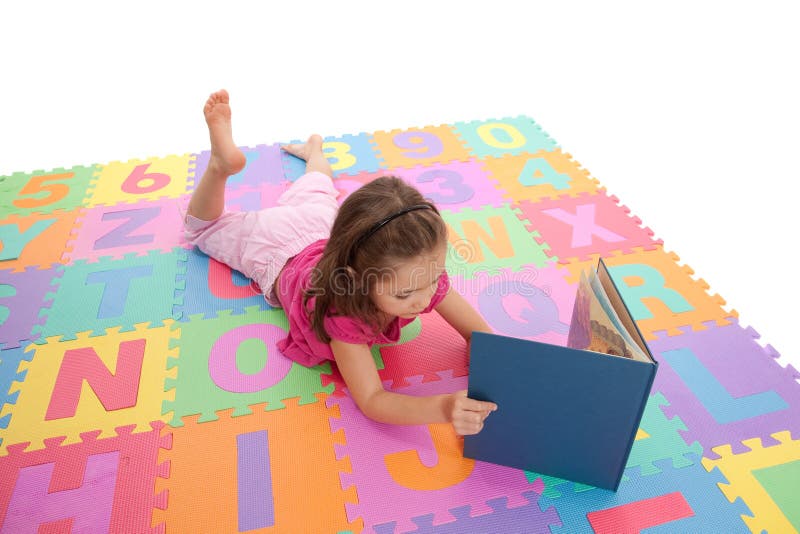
{"x":402,"y":297}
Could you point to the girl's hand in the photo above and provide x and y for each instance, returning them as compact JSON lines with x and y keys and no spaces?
{"x":467,"y":415}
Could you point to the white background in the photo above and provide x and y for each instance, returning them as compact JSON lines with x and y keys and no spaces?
{"x":687,"y":111}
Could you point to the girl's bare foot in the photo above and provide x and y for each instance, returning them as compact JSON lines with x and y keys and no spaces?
{"x":305,"y":150}
{"x":226,"y":158}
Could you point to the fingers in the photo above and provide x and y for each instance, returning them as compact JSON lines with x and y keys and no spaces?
{"x":468,"y":424}
{"x":469,"y":414}
{"x":466,"y":429}
{"x":472,"y":405}
{"x":478,"y":406}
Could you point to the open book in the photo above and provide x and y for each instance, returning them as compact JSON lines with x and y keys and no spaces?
{"x":601,"y":321}
{"x":570,"y":412}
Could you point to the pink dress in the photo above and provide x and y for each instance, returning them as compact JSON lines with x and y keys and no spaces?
{"x":293,"y":234}
{"x":302,"y":345}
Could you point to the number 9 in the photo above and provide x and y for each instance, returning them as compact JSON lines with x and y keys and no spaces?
{"x":420,"y":144}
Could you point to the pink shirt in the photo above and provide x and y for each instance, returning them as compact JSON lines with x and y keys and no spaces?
{"x":302,"y":344}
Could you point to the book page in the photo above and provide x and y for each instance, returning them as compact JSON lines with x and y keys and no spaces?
{"x":617,"y":303}
{"x":610,"y":310}
{"x":595,"y":326}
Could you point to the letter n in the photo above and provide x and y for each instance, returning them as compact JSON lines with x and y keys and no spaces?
{"x":115,"y":391}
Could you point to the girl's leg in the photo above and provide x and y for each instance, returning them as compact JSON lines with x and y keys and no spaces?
{"x":208,"y":199}
{"x":311,"y":152}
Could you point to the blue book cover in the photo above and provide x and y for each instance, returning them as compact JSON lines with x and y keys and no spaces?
{"x":568,"y":412}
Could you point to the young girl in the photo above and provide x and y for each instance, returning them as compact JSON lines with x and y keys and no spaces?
{"x":347,"y":277}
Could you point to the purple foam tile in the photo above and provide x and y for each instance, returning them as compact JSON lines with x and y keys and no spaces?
{"x":264,"y":165}
{"x":725,"y":387}
{"x":529,"y":519}
{"x":22,"y":295}
{"x":255,"y":198}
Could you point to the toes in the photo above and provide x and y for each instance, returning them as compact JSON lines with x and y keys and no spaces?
{"x":218,"y":97}
{"x":295,"y":150}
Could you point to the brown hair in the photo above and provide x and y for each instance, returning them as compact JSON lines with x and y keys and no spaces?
{"x":350,"y":264}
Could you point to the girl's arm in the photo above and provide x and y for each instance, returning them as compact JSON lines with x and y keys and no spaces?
{"x":461,"y":315}
{"x":358,"y":369}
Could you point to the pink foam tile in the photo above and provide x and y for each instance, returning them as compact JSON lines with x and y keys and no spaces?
{"x":532,"y":303}
{"x":454,"y":185}
{"x":99,"y":485}
{"x":450,"y":186}
{"x":434,"y":478}
{"x":127,"y":228}
{"x":577,"y":227}
{"x":438,"y":347}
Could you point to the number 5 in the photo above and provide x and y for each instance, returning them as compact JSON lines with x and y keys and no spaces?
{"x":55,"y":192}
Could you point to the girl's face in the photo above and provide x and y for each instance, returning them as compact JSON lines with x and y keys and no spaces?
{"x":410,"y":285}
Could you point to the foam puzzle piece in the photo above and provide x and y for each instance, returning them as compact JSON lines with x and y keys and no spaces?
{"x":125,"y":372}
{"x":420,"y":469}
{"x":95,"y":485}
{"x":491,"y":239}
{"x":454,"y":185}
{"x":450,"y":186}
{"x":509,"y":135}
{"x":660,"y":293}
{"x":37,"y":240}
{"x":347,"y":154}
{"x":135,"y":180}
{"x":539,"y":176}
{"x":115,"y":231}
{"x":780,"y":482}
{"x":587,"y":224}
{"x":298,"y":456}
{"x":708,"y":511}
{"x":527,"y":518}
{"x":44,"y":192}
{"x":208,"y":287}
{"x":419,"y":146}
{"x":553,"y":484}
{"x":9,"y":373}
{"x":22,"y":296}
{"x":113,"y":293}
{"x":443,"y":348}
{"x":660,"y":440}
{"x":706,"y":379}
{"x":408,"y":333}
{"x":264,"y":166}
{"x":532,"y":303}
{"x":213,"y":373}
{"x":744,"y":472}
{"x":255,"y":198}
{"x":345,"y":184}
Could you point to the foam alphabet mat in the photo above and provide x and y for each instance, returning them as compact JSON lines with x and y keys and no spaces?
{"x":142,"y":390}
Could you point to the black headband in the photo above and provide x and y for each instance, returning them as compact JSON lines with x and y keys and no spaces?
{"x":380,"y":224}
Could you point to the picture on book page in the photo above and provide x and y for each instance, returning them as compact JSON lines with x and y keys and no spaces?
{"x":595,"y":324}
